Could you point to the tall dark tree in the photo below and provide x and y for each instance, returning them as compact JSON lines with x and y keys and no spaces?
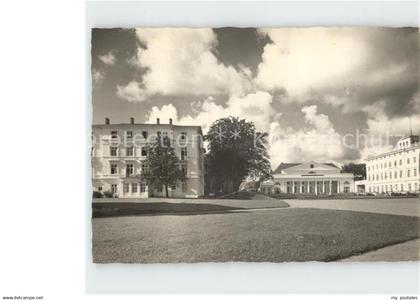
{"x":358,"y":170}
{"x":236,"y":151}
{"x":162,"y":168}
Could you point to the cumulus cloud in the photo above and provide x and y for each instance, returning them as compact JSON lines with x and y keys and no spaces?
{"x":343,"y":67}
{"x":165,"y":112}
{"x":108,"y":59}
{"x":379,"y":123}
{"x":317,"y":140}
{"x":347,"y":68}
{"x":303,"y":59}
{"x":97,"y":76}
{"x":181,"y":61}
{"x":371,"y":72}
{"x":132,"y":92}
{"x":383,"y":129}
{"x":374,"y":148}
{"x":255,"y":107}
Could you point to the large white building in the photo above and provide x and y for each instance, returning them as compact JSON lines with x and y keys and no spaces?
{"x":118,"y":151}
{"x":397,"y":170}
{"x":308,"y":178}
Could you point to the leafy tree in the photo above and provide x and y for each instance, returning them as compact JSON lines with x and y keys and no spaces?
{"x":162,"y":167}
{"x":358,"y":170}
{"x":236,"y":151}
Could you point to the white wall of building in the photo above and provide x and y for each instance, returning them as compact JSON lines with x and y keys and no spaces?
{"x":129,"y":186}
{"x":395,"y":171}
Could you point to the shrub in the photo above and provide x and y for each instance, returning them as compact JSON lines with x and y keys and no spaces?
{"x":351,"y":194}
{"x":97,"y":194}
{"x":394,"y":194}
{"x":108,"y":194}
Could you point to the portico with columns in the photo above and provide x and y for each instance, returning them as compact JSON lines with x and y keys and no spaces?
{"x":308,"y":178}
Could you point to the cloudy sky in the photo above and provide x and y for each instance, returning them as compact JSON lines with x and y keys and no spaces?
{"x":311,"y":89}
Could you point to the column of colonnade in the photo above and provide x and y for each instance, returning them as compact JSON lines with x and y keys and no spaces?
{"x":305,"y":185}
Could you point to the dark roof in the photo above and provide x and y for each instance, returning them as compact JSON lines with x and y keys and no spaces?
{"x":284,"y":166}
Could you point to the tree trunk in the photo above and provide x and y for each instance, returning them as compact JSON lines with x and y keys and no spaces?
{"x":166,"y":191}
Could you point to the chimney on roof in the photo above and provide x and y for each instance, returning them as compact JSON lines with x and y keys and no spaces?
{"x":131,"y":120}
{"x":170,"y":121}
{"x":107,"y":122}
{"x":157,"y":121}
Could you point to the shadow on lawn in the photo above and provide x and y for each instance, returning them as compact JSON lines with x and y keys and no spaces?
{"x":101,"y":210}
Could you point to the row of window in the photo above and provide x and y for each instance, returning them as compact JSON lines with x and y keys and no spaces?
{"x":129,"y":169}
{"x":129,"y":151}
{"x":313,"y":182}
{"x":303,"y":190}
{"x":386,"y":175}
{"x":145,"y":134}
{"x":393,"y":188}
{"x":385,"y":165}
{"x":183,"y":188}
{"x":397,"y":153}
{"x":134,"y":188}
{"x":404,"y":143}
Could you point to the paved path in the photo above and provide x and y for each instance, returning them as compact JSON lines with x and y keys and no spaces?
{"x":407,"y":251}
{"x":393,"y":206}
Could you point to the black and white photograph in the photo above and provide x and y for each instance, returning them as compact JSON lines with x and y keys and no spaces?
{"x":210,"y":149}
{"x":288,"y":144}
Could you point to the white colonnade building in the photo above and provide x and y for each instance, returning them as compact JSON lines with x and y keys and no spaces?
{"x":308,"y":178}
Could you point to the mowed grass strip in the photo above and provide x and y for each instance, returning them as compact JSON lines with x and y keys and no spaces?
{"x":177,"y":206}
{"x":296,"y":234}
{"x":100,"y":210}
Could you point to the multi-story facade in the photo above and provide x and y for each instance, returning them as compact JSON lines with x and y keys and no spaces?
{"x":397,"y":170}
{"x":118,"y":152}
{"x":308,"y":178}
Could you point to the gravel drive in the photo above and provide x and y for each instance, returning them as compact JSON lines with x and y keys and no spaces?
{"x":394,"y":206}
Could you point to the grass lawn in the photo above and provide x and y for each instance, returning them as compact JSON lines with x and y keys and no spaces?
{"x":126,"y":207}
{"x":100,"y":210}
{"x":296,"y":234}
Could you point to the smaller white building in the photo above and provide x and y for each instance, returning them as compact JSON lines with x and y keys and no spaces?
{"x":308,"y":178}
{"x":360,"y":186}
